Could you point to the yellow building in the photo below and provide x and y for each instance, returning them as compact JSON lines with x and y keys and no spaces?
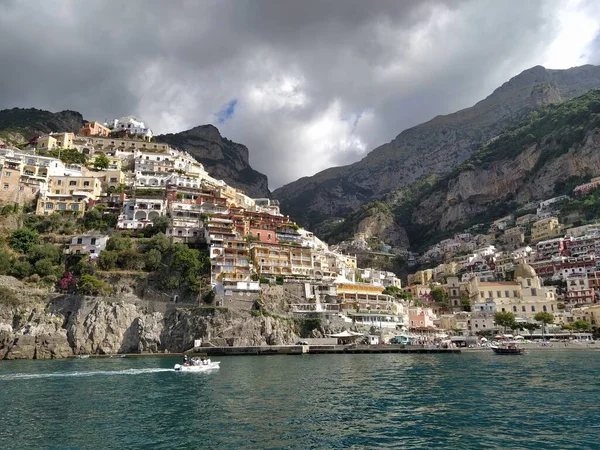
{"x":108,"y":178}
{"x":55,"y":140}
{"x":362,"y":296}
{"x":545,"y":229}
{"x":423,"y":277}
{"x":524,"y":297}
{"x":50,"y":203}
{"x":70,"y":185}
{"x":271,"y":260}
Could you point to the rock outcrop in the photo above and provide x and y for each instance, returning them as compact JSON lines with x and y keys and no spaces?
{"x":222,"y":158}
{"x":63,"y":326}
{"x":435,"y":147}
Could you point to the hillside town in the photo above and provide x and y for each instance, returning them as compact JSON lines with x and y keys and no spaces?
{"x":523,"y":265}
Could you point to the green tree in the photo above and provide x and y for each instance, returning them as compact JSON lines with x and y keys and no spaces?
{"x":45,"y":267}
{"x":46,"y":251}
{"x":159,"y":225}
{"x":119,"y":242}
{"x":582,"y":325}
{"x":438,"y":295}
{"x":101,"y":162}
{"x":393,"y":291}
{"x":107,"y":260}
{"x":23,"y":240}
{"x":152,"y":260}
{"x":531,"y":327}
{"x":158,"y":242}
{"x":20,"y":269}
{"x":5,"y":261}
{"x":505,"y":320}
{"x":545,"y":318}
{"x":130,"y":259}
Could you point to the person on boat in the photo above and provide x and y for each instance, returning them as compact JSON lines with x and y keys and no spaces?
{"x":204,"y":361}
{"x":186,"y":361}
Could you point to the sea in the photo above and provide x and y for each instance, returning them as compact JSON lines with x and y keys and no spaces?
{"x":541,"y":400}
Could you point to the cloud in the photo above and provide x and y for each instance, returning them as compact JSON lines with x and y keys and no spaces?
{"x":305,"y":85}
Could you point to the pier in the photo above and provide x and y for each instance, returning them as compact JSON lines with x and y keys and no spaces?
{"x":316,"y":350}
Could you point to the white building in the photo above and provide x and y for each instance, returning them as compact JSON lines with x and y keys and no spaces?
{"x":131,"y":125}
{"x":140,"y":212}
{"x":87,"y":244}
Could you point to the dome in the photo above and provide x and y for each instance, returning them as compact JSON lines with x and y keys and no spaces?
{"x":524,"y":270}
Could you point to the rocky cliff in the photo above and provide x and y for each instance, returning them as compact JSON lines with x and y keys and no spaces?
{"x":19,"y":124}
{"x":435,"y":147}
{"x":39,"y":325}
{"x":532,"y":162}
{"x":222,"y":158}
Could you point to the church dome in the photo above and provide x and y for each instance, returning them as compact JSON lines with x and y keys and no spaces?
{"x":524,"y":270}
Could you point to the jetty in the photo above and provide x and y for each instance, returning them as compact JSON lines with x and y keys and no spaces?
{"x":316,"y":350}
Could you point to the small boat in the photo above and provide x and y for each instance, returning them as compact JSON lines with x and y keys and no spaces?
{"x":83,"y":356}
{"x":197,"y":365}
{"x":508,"y":348}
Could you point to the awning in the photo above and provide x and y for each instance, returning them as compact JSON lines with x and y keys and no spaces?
{"x":345,"y":334}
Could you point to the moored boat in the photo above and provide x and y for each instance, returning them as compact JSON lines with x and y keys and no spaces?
{"x":197,"y":365}
{"x":508,"y":348}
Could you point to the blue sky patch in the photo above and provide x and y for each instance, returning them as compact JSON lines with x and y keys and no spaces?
{"x":227,"y":111}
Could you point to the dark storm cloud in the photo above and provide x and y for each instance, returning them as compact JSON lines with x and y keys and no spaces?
{"x":305,"y":85}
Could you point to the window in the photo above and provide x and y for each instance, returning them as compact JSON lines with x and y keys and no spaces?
{"x":514,"y":309}
{"x":482,"y":294}
{"x":544,"y":308}
{"x":532,"y":308}
{"x":73,"y":183}
{"x":59,"y":182}
{"x":506,"y":294}
{"x":523,"y":308}
{"x":49,"y":206}
{"x":86,"y":183}
{"x":503,"y":310}
{"x":533,"y":292}
{"x":269,"y":236}
{"x":93,"y":241}
{"x":490,"y":294}
{"x":62,"y":206}
{"x":57,"y":191}
{"x":7,"y":174}
{"x":79,"y":240}
{"x":528,"y":282}
{"x":498,"y":294}
{"x":5,"y":186}
{"x":113,"y":180}
{"x":75,"y":207}
{"x":515,"y":294}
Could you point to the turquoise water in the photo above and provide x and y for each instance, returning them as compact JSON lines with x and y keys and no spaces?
{"x":544,"y":400}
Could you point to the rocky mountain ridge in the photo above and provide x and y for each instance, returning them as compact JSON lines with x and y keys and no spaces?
{"x":431,"y":149}
{"x":222,"y":158}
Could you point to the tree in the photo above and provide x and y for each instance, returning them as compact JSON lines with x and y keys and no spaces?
{"x":46,"y":251}
{"x":101,"y":162}
{"x":152,"y":260}
{"x":531,"y":327}
{"x":159,"y":225}
{"x":545,"y":318}
{"x":45,"y":267}
{"x":107,"y":260}
{"x":394,"y":291}
{"x":118,"y":242}
{"x":505,"y":320}
{"x":23,"y":240}
{"x":582,"y":325}
{"x":438,"y":295}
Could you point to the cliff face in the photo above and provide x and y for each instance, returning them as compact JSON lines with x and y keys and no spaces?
{"x":437,"y":146}
{"x":473,"y":190}
{"x":63,"y":326}
{"x":222,"y":158}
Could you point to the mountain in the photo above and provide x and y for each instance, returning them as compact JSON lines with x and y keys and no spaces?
{"x":222,"y":158}
{"x":547,"y":155}
{"x":20,"y":124}
{"x":424,"y":153}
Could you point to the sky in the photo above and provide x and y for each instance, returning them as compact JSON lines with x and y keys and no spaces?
{"x":305,"y":85}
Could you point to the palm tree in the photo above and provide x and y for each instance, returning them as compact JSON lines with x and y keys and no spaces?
{"x":545,"y":318}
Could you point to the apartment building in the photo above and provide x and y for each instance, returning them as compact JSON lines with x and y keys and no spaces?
{"x":545,"y":229}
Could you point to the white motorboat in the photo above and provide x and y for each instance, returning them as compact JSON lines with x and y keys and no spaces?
{"x":197,"y":365}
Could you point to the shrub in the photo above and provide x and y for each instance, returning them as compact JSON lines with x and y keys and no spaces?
{"x":46,"y":251}
{"x":67,"y":281}
{"x":118,"y":242}
{"x":23,"y":240}
{"x":90,"y":285}
{"x":20,"y":269}
{"x":8,"y":297}
{"x":152,"y":260}
{"x":107,"y":260}
{"x":44,"y":267}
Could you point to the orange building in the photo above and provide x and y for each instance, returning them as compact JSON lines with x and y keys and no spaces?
{"x":94,"y":129}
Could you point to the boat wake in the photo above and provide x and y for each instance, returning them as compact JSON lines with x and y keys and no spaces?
{"x":30,"y":376}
